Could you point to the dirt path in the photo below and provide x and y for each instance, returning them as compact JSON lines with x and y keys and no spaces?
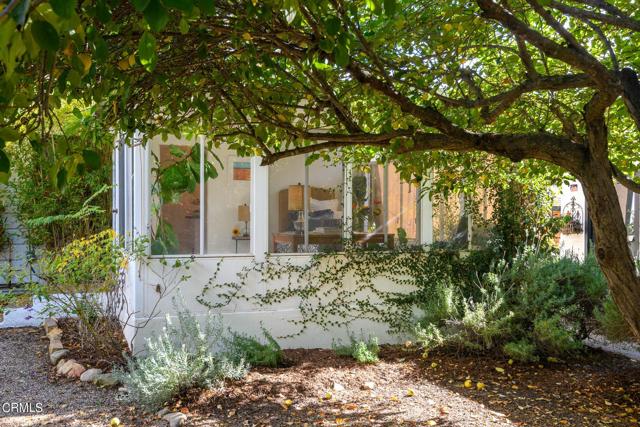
{"x":25,"y":378}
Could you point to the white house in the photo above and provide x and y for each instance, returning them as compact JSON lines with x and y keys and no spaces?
{"x":287,"y":210}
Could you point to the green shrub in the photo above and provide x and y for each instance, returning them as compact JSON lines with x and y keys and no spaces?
{"x":522,"y":350}
{"x":553,"y":338}
{"x":256,"y":353}
{"x":363,"y":351}
{"x":533,"y":306}
{"x":611,"y":323}
{"x":184,"y":356}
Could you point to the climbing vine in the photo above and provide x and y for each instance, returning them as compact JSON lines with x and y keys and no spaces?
{"x":335,"y":288}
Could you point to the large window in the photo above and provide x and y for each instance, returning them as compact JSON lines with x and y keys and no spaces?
{"x":187,"y":218}
{"x":307,"y":212}
{"x":305,"y":206}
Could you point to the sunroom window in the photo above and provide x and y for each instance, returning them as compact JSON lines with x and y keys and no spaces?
{"x":188,"y":218}
{"x":307,"y":212}
{"x":305,"y":206}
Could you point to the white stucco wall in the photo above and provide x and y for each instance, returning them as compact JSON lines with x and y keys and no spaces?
{"x":243,"y":316}
{"x":143,"y":277}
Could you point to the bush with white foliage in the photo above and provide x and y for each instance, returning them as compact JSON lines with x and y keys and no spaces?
{"x":187,"y":354}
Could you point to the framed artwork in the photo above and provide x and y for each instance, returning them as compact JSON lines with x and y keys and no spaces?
{"x":241,"y":169}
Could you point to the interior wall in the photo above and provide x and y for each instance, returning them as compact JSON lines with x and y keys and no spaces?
{"x":223,"y":195}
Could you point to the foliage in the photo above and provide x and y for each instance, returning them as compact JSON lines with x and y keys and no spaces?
{"x":363,"y":351}
{"x":473,"y":86}
{"x":611,"y":323}
{"x":256,"y":353}
{"x":60,"y":190}
{"x":83,"y":279}
{"x":319,"y":285}
{"x":540,"y":305}
{"x":521,"y":217}
{"x":185,"y":355}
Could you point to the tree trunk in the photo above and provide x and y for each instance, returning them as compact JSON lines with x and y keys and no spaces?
{"x":611,"y":247}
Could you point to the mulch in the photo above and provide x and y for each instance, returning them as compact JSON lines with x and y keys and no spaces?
{"x":599,"y":389}
{"x":103,"y":357}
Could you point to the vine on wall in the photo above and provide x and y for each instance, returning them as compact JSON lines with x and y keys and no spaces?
{"x":318,"y":286}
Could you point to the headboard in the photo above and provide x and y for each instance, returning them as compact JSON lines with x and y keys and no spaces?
{"x":283,"y":203}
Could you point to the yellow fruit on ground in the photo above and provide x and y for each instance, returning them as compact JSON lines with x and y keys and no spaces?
{"x":115,"y":422}
{"x":468,"y":383}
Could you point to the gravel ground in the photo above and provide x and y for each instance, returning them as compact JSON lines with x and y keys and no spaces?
{"x":26,"y":377}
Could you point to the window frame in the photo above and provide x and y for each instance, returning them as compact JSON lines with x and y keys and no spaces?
{"x":260,"y":232}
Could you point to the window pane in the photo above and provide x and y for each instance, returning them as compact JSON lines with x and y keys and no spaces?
{"x":402,"y":225}
{"x":175,"y":197}
{"x":228,"y":204}
{"x":325,"y":206}
{"x":305,"y":199}
{"x":367,"y":202}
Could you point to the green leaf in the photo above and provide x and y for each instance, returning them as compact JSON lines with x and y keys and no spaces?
{"x":390,"y":7}
{"x":183,"y":5}
{"x":9,"y":134}
{"x":326,"y":45}
{"x":103,"y":13}
{"x":147,"y":51}
{"x":332,"y":25}
{"x":341,"y":55}
{"x":100,"y":49}
{"x":91,"y":159}
{"x":45,"y":35}
{"x":156,"y":15}
{"x":207,"y":7}
{"x":140,"y":5}
{"x":64,"y":8}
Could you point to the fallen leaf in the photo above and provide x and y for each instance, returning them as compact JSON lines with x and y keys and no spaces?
{"x":501,"y":370}
{"x":410,"y":392}
{"x":480,"y":386}
{"x":468,"y":383}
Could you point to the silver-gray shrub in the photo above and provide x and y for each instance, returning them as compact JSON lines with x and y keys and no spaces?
{"x":187,"y":354}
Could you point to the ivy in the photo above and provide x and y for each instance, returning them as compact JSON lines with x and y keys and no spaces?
{"x":319,"y":285}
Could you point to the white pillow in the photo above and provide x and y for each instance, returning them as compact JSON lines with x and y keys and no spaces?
{"x":321,"y":205}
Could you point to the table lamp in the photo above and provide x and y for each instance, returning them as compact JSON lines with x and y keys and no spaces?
{"x":244,"y":216}
{"x":295,"y":202}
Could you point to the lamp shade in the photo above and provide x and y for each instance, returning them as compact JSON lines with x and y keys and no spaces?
{"x":243,"y":213}
{"x":296,"y":197}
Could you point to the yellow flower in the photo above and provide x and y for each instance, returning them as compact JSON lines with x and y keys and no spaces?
{"x":235,"y":232}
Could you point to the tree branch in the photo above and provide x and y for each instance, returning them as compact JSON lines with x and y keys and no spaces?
{"x":625,"y":180}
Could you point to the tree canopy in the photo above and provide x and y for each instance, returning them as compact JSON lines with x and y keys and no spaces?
{"x":453,"y":85}
{"x":274,"y":76}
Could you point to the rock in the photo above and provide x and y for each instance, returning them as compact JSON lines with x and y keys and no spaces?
{"x":55,"y":357}
{"x":54,"y":332}
{"x":162,"y":412}
{"x":175,"y":419}
{"x":106,"y":380}
{"x":63,"y":366}
{"x":49,"y":323}
{"x":90,"y":374}
{"x":70,"y":368}
{"x":55,"y":344}
{"x":369,"y":385}
{"x":338,"y":387}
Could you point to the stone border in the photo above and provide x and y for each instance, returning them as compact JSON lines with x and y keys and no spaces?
{"x":70,"y":368}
